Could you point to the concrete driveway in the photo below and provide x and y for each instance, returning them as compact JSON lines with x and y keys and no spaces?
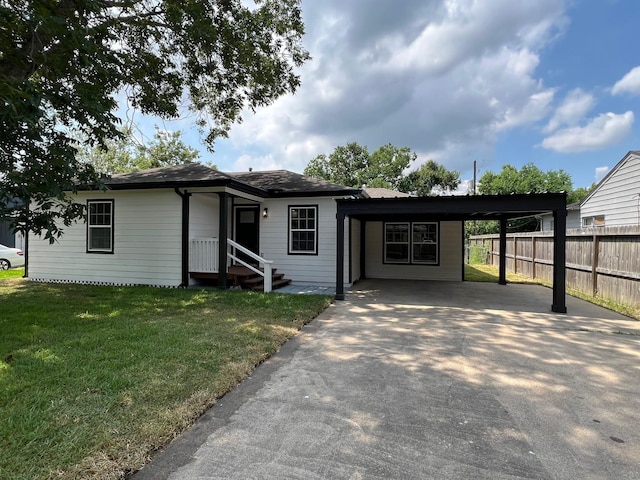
{"x":431,"y":380}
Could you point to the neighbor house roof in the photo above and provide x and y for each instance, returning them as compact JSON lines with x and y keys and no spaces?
{"x":383,"y":193}
{"x":274,"y":183}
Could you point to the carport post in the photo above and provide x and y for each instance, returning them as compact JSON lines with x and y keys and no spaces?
{"x":340,"y":255}
{"x":559,"y":260}
{"x":502,"y":272}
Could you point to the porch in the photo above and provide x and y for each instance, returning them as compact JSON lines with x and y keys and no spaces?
{"x":244,"y":268}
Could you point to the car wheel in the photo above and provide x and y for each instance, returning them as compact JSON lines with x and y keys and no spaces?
{"x":4,"y":264}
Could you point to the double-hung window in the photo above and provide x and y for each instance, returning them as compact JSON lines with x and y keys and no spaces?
{"x":411,"y":243}
{"x":100,"y":226}
{"x":303,"y":230}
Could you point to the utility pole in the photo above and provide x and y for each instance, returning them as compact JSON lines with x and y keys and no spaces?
{"x":474,"y":177}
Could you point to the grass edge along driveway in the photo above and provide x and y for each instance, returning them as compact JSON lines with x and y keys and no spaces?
{"x":94,"y":379}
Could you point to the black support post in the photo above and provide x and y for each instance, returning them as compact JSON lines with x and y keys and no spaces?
{"x":222,"y":239}
{"x":363,"y":249}
{"x":185,"y":237}
{"x":559,"y":260}
{"x":502,"y":273}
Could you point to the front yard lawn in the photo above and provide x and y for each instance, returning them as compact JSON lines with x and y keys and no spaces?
{"x":94,"y":379}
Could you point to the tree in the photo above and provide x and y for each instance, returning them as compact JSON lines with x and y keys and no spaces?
{"x":127,"y":154}
{"x":347,"y":165}
{"x":62,"y":64}
{"x":353,"y":166}
{"x":529,"y":179}
{"x":431,"y":178}
{"x":579,"y":194}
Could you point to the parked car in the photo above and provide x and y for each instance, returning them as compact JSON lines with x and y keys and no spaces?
{"x":10,"y":257}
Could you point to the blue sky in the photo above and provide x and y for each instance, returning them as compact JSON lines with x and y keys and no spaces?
{"x":553,"y":82}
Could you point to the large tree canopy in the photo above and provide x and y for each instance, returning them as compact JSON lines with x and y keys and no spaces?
{"x":64,"y":62}
{"x":353,"y":166}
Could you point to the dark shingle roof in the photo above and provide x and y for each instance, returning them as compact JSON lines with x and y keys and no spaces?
{"x":278,"y":183}
{"x":285,"y":183}
{"x":178,"y":174}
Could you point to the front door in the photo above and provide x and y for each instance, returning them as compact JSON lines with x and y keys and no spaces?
{"x":246,"y":230}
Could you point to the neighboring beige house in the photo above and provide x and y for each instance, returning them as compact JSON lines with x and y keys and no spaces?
{"x":615,"y":201}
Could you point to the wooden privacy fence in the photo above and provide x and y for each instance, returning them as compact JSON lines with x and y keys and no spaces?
{"x":603,"y":261}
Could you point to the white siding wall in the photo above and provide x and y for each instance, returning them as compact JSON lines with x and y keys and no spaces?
{"x":146,"y":244}
{"x":450,"y":268}
{"x":573,"y":221}
{"x":303,"y":269}
{"x":204,"y":211}
{"x":617,"y":197}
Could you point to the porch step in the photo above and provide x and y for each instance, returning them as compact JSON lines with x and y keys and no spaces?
{"x":246,"y":278}
{"x":282,"y":282}
{"x":249,"y":279}
{"x":249,"y":282}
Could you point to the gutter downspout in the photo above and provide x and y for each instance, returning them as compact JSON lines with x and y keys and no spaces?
{"x":185,"y":237}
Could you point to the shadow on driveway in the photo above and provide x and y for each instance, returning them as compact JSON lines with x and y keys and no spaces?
{"x":431,"y":380}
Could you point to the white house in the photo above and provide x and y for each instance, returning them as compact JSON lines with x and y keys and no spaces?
{"x":615,"y":201}
{"x":178,"y":226}
{"x":170,"y":227}
{"x":573,"y":218}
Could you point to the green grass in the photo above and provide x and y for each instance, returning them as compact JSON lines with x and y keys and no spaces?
{"x":13,"y":273}
{"x":489,"y":273}
{"x":94,"y":379}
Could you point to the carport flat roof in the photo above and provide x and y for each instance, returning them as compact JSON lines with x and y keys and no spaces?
{"x":466,"y":207}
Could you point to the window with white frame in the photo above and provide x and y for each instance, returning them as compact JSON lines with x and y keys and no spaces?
{"x":100,"y":226}
{"x":594,"y":221}
{"x":303,"y":230}
{"x":411,"y":243}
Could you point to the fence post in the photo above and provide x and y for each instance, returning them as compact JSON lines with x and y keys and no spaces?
{"x":533,"y":256}
{"x":502,"y":267}
{"x":515,"y":254}
{"x":595,"y":254}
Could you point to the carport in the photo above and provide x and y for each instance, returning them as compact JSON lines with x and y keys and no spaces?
{"x":460,"y":208}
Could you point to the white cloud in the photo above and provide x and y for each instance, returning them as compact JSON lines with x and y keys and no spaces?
{"x":439,"y":76}
{"x":601,"y":172}
{"x":575,"y":106}
{"x":630,"y":83}
{"x":535,"y":108}
{"x":602,"y":131}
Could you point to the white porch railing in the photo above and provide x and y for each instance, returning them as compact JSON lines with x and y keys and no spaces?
{"x":203,"y":255}
{"x":203,"y":258}
{"x":266,"y":264}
